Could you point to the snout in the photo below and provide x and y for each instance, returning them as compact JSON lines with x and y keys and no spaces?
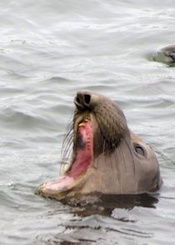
{"x":83,"y":100}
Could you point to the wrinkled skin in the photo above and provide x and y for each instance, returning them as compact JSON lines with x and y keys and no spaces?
{"x":107,"y":157}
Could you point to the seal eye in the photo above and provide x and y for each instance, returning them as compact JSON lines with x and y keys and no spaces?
{"x":139,"y":149}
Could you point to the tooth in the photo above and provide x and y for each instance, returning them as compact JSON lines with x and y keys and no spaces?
{"x":81,"y":124}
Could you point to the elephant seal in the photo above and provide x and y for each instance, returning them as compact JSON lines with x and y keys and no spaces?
{"x":166,"y":55}
{"x":107,"y":158}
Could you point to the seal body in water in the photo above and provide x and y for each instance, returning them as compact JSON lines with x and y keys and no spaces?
{"x":107,"y":157}
{"x":166,"y":55}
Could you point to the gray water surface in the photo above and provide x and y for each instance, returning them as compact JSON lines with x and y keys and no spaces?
{"x":48,"y":51}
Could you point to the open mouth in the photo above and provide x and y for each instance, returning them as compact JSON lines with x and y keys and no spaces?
{"x":82,"y":159}
{"x":84,"y":151}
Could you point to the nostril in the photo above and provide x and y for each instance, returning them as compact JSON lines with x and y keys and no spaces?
{"x":87,"y":99}
{"x":78,"y":100}
{"x":83,"y":100}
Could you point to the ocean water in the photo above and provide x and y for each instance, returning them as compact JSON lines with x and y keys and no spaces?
{"x":48,"y":51}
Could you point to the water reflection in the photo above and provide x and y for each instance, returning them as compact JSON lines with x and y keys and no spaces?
{"x":105,"y":204}
{"x":111,"y":217}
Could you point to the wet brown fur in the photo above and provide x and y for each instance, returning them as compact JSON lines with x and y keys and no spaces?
{"x":117,"y":168}
{"x":122,"y":162}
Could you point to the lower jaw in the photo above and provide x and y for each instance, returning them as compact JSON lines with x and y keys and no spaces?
{"x":59,"y":188}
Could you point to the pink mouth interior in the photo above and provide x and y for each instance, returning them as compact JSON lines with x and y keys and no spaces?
{"x":84,"y":156}
{"x":81,"y":162}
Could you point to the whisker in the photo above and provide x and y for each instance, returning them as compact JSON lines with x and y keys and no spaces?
{"x":66,"y":155}
{"x":67,"y":146}
{"x":69,"y":130}
{"x":133,"y":161}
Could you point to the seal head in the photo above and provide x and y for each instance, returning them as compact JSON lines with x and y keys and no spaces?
{"x":106,"y":157}
{"x":166,"y":55}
